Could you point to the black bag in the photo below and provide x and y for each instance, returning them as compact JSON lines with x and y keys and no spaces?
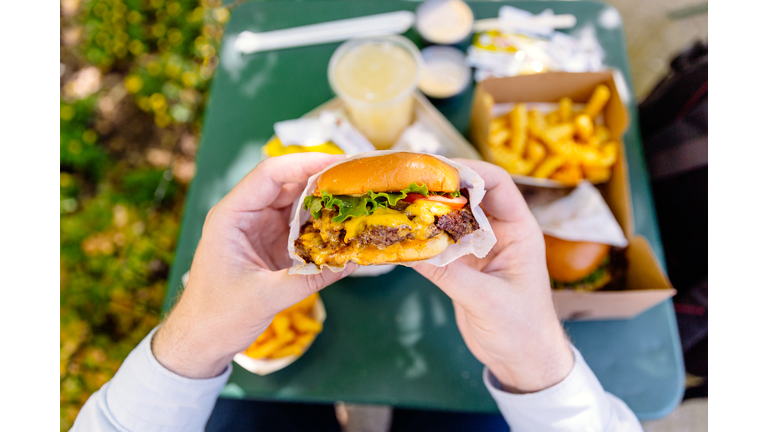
{"x":673,"y":124}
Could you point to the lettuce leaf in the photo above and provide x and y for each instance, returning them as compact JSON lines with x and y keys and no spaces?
{"x":414,"y":188}
{"x":313,"y":205}
{"x":350,"y":206}
{"x":347,"y":206}
{"x":384,"y":198}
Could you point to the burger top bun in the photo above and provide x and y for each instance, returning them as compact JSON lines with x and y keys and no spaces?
{"x":570,"y":261}
{"x":388,"y":173}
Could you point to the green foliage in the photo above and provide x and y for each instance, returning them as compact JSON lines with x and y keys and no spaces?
{"x":140,"y":186}
{"x":115,"y":251}
{"x":169,"y":47}
{"x":120,"y":31}
{"x":118,"y":222}
{"x":78,"y":151}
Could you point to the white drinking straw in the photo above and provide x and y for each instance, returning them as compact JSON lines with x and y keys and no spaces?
{"x":332,"y":31}
{"x":551,"y":21}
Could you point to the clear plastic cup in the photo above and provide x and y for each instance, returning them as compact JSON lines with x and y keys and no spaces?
{"x":376,"y":78}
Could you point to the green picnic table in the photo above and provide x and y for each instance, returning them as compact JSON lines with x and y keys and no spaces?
{"x":392,"y":339}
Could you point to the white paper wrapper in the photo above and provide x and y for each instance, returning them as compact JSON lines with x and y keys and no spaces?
{"x":373,"y":270}
{"x":582,"y":215}
{"x":267,"y":366}
{"x":500,"y":109}
{"x":418,"y":138}
{"x":536,"y":42}
{"x":478,"y":243}
{"x":312,"y":131}
{"x":441,"y":137}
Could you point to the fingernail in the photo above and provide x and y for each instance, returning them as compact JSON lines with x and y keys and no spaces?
{"x":349,"y":269}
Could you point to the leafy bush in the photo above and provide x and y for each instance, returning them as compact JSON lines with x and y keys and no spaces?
{"x":78,"y":151}
{"x":169,"y":47}
{"x":120,"y":216}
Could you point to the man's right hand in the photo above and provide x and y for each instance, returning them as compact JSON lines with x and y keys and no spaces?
{"x":503,"y":302}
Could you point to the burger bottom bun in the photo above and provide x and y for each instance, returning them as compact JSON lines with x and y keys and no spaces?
{"x":409,"y":250}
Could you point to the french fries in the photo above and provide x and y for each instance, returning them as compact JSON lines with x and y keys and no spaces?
{"x":549,"y":166}
{"x":518,"y":121}
{"x":536,"y":152}
{"x":566,"y":109}
{"x":290,"y":332}
{"x":275,"y":148}
{"x":564,"y":145}
{"x":597,"y":101}
{"x":583,"y":127}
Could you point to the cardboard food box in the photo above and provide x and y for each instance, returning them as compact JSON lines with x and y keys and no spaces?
{"x":647,"y":284}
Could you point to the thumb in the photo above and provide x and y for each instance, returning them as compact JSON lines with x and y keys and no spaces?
{"x":286,"y":290}
{"x":459,"y":281}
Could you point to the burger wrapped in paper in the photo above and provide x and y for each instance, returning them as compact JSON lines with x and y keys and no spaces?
{"x":584,"y":242}
{"x":389,"y":207}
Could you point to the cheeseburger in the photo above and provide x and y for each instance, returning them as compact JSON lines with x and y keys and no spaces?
{"x":583,"y":266}
{"x":394,"y":208}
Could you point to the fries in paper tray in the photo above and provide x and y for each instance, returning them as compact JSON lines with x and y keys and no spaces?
{"x":564,"y":142}
{"x":287,"y":338}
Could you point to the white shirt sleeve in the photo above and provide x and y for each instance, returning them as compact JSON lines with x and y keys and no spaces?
{"x":578,"y":403}
{"x":145,"y":396}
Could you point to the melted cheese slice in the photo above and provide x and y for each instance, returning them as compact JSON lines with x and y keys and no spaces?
{"x":423,"y":213}
{"x":367,"y":255}
{"x":381,"y":217}
{"x":423,"y":210}
{"x":426,"y":211}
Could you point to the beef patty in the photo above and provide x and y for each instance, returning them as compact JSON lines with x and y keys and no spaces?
{"x":456,"y":224}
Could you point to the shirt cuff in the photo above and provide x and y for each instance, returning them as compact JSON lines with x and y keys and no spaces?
{"x":146,"y":396}
{"x":577,"y":403}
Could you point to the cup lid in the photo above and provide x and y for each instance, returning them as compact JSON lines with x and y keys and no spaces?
{"x":345,"y":48}
{"x":444,"y":21}
{"x":445,"y":72}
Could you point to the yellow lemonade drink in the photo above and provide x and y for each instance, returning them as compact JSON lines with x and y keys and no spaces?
{"x":376,"y":78}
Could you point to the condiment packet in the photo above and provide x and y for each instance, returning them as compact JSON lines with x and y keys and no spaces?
{"x":526,"y":48}
{"x":478,"y":243}
{"x":327,"y":127}
{"x":510,"y":14}
{"x":582,"y":215}
{"x":419,"y":138}
{"x":576,"y":54}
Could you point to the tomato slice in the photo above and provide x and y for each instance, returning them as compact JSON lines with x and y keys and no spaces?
{"x":411,"y":197}
{"x":454,"y":203}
